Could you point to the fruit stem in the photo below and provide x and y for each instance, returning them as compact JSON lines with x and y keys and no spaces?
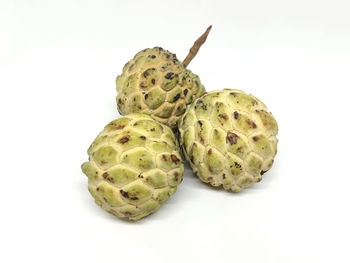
{"x":196,"y":46}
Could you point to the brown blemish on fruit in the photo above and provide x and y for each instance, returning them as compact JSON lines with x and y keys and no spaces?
{"x":98,"y":189}
{"x":235,"y":115}
{"x":176,"y":176}
{"x":142,"y":137}
{"x":210,"y":151}
{"x":146,"y":96}
{"x":174,"y":159}
{"x":223,"y":116}
{"x":262,"y":172}
{"x":174,"y":59}
{"x":201,"y":140}
{"x":223,"y":176}
{"x":127,"y":213}
{"x":169,"y":75}
{"x":153,"y":81}
{"x":237,"y":165}
{"x":153,"y":129}
{"x":120,"y":127}
{"x":231,"y":138}
{"x":104,"y":198}
{"x":141,"y":176}
{"x":256,"y":138}
{"x":185,"y":92}
{"x":134,"y":198}
{"x":199,"y":101}
{"x":251,"y":124}
{"x":210,"y":178}
{"x":176,"y":97}
{"x":104,"y":175}
{"x":200,"y":123}
{"x":164,"y":158}
{"x":124,"y":139}
{"x":130,"y":68}
{"x":204,"y":107}
{"x":125,"y":194}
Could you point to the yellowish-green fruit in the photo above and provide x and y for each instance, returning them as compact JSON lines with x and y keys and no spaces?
{"x":156,"y":83}
{"x":134,"y":166}
{"x":229,"y":139}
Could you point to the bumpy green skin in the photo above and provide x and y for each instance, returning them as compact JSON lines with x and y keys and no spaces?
{"x":154,"y":82}
{"x":134,"y":166}
{"x":229,"y":138}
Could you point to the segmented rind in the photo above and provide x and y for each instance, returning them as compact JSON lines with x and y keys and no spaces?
{"x":156,"y":83}
{"x":229,"y":139}
{"x":134,"y":166}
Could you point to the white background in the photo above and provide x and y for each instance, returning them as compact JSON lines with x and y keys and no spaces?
{"x":58,"y":64}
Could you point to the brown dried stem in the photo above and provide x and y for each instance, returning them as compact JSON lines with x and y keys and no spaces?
{"x":196,"y":46}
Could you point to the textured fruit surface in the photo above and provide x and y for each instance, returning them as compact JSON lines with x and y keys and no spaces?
{"x":156,"y":83}
{"x":134,"y":166}
{"x":229,"y":138}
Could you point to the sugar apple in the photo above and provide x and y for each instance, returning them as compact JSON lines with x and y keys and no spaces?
{"x":156,"y":83}
{"x":134,"y":166}
{"x":229,"y":139}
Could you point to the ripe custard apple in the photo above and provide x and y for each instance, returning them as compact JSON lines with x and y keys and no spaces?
{"x":156,"y":83}
{"x":229,"y":139}
{"x":134,"y":166}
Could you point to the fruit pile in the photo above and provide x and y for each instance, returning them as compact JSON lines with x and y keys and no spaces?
{"x":228,"y":137}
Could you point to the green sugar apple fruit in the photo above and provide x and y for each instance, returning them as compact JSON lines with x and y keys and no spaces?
{"x":229,"y":139}
{"x":134,"y":166}
{"x":156,"y":83}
